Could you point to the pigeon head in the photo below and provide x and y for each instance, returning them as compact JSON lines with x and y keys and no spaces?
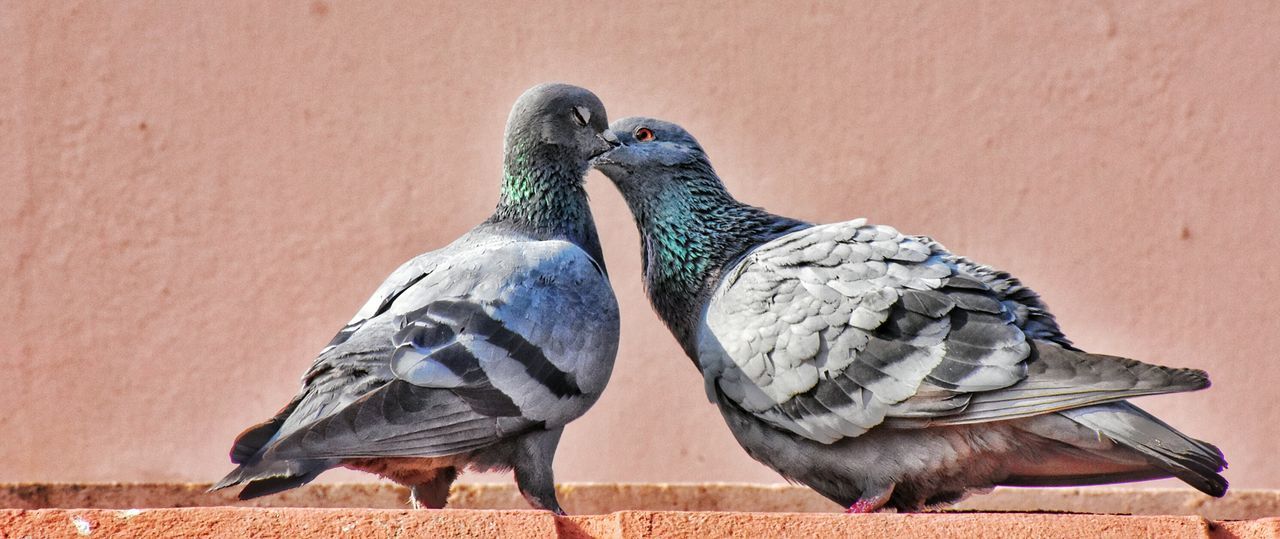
{"x":560,"y":121}
{"x":552,"y":134}
{"x":661,"y":171}
{"x":652,"y":157}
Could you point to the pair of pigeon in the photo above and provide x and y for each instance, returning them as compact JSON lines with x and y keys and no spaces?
{"x":875,"y":367}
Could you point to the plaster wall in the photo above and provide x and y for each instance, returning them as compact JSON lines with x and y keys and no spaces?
{"x":194,"y":196}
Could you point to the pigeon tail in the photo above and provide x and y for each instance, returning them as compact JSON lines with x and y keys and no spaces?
{"x":1195,"y":462}
{"x":236,"y":477}
{"x":273,"y":477}
{"x":250,"y":443}
{"x":274,"y":485}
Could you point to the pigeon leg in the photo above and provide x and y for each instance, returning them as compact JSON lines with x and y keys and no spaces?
{"x":870,"y":504}
{"x":433,"y":494}
{"x":534,"y":454}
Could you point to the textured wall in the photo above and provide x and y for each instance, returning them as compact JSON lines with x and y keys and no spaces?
{"x":196,"y":196}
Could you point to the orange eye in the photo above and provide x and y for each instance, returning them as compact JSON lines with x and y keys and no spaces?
{"x":644,"y":134}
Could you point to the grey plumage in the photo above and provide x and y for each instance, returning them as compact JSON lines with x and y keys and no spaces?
{"x":876,"y":367}
{"x":473,"y":356}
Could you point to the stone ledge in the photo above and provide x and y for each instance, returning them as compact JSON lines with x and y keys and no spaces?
{"x":616,"y":510}
{"x":377,"y":523}
{"x":595,"y":498}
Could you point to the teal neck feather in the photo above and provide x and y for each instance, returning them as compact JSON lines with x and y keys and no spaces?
{"x":543,"y":196}
{"x":690,"y":235}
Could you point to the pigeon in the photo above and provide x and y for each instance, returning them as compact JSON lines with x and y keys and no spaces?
{"x":875,"y":367}
{"x":474,"y":356}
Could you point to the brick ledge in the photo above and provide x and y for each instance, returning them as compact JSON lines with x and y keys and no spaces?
{"x":597,"y":498}
{"x":379,"y":523}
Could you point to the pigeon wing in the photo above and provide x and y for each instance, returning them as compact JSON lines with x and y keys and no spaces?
{"x":464,"y":366}
{"x":833,"y":330}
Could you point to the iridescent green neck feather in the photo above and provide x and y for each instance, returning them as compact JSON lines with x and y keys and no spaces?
{"x":691,"y":233}
{"x":543,"y":196}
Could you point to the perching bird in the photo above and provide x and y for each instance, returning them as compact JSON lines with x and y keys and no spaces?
{"x":476,"y":355}
{"x":878,"y":368}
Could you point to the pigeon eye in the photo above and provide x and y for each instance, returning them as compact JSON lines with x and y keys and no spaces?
{"x":644,"y":134}
{"x":581,"y":115}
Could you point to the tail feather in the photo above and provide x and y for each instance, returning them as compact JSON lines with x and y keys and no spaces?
{"x":1060,"y":379}
{"x":251,"y":442}
{"x":277,"y":484}
{"x":1195,"y":462}
{"x":271,"y":478}
{"x":254,"y":439}
{"x":236,"y":477}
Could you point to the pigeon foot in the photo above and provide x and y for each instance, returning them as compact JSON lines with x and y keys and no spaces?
{"x":871,"y":504}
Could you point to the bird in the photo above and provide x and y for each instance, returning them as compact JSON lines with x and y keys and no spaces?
{"x":476,"y":355}
{"x":878,"y":368}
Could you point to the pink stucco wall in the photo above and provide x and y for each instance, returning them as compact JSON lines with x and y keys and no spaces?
{"x":196,"y":196}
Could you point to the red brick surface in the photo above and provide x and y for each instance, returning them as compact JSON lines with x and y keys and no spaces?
{"x":600,"y":498}
{"x":616,"y":510}
{"x":377,"y":523}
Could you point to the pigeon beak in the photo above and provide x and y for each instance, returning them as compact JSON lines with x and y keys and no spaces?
{"x":607,"y":161}
{"x":608,"y":141}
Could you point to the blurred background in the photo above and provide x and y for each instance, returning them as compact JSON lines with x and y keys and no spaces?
{"x":196,"y":196}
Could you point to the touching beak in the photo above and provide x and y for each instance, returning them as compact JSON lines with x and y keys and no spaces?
{"x":608,"y":141}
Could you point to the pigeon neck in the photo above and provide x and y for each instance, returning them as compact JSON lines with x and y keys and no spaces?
{"x":543,"y":196}
{"x":689,"y":241}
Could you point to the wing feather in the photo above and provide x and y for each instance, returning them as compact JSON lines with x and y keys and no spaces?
{"x":458,"y":359}
{"x":834,"y":329}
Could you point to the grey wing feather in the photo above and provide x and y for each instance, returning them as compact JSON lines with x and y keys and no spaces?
{"x":334,"y":370}
{"x":835,"y":329}
{"x":458,"y":360}
{"x":398,"y":419}
{"x":400,"y":280}
{"x":1029,"y":311}
{"x":822,"y":332}
{"x":1061,"y":379}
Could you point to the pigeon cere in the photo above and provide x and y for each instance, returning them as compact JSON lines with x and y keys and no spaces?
{"x":875,"y":367}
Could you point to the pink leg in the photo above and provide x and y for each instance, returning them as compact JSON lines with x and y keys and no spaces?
{"x":870,"y":504}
